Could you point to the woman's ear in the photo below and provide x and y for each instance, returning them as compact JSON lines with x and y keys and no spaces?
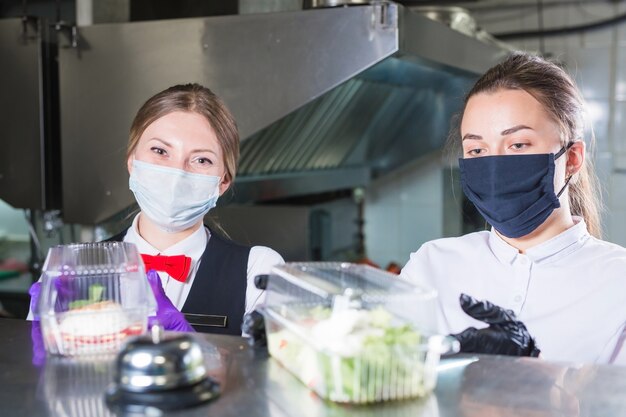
{"x":224,"y":184}
{"x":575,"y":157}
{"x":129,"y":164}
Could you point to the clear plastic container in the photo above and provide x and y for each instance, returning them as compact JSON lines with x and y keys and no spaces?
{"x":353,"y":333}
{"x":92,"y":297}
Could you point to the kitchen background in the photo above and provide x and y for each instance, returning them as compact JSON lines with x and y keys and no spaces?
{"x":353,"y":167}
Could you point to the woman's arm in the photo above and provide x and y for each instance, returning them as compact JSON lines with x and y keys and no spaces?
{"x":260,"y":262}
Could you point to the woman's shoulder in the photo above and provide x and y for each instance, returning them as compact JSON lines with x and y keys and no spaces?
{"x":257,"y":255}
{"x":220,"y":238}
{"x":445,"y":257}
{"x":605,"y":248}
{"x":262,"y":259}
{"x":263,"y":252}
{"x":439,"y":252}
{"x":470,"y":241}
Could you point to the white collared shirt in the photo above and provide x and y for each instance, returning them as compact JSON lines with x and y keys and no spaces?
{"x":569,"y":291}
{"x":260,"y":261}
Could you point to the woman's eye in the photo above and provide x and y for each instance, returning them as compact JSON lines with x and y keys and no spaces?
{"x":475,"y":152}
{"x":519,"y":146}
{"x":204,"y":161}
{"x":158,"y":151}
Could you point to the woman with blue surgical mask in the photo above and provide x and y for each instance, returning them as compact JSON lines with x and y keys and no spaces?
{"x":541,"y":282}
{"x":182,"y":156}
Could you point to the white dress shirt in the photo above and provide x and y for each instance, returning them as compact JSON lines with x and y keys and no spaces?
{"x":569,"y":291}
{"x":260,"y":261}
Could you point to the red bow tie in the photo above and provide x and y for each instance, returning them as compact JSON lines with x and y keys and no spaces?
{"x":176,"y":266}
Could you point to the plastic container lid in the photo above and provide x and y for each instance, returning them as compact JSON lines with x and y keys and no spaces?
{"x":342,"y":286}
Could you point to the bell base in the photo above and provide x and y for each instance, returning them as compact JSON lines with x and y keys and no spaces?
{"x":119,"y":399}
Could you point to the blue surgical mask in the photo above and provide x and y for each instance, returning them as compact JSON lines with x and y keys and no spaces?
{"x":173,"y":199}
{"x":514,"y":193}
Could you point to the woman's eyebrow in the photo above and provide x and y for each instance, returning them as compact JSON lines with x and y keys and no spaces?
{"x":472,"y":136}
{"x":204,"y":150}
{"x":514,"y":129}
{"x":162,"y":141}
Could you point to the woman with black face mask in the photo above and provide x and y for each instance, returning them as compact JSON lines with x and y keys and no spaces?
{"x":552,"y":285}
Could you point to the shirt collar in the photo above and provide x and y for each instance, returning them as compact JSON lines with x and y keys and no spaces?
{"x":502,"y":250}
{"x":550,"y":250}
{"x":192,"y":246}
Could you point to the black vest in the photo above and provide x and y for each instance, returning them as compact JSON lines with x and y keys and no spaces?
{"x":217,"y":299}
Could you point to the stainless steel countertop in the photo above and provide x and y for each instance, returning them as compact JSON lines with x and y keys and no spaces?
{"x":254,"y":385}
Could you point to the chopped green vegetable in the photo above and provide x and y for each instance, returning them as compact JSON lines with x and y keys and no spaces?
{"x":319,"y":313}
{"x":96,"y":291}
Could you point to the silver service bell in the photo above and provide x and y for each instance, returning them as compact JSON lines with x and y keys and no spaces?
{"x":160,"y":371}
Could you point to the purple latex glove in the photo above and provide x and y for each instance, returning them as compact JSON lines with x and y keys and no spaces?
{"x":39,"y":351}
{"x":65,"y":294}
{"x":34,"y":291}
{"x":167,"y":314}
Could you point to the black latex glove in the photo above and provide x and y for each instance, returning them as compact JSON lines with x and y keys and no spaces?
{"x":254,"y":325}
{"x":505,"y":335}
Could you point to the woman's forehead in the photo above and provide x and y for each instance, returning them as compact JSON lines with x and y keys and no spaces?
{"x":188,"y":129}
{"x":497,"y":111}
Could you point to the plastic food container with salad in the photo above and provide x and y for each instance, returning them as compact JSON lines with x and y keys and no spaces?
{"x":353,"y":333}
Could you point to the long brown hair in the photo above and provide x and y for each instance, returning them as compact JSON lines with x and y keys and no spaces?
{"x":197,"y":99}
{"x":556,"y":91}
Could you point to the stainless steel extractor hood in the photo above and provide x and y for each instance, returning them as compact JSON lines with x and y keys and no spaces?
{"x":324,"y":98}
{"x":376,"y":122}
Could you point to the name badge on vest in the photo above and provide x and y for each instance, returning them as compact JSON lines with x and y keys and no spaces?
{"x":208,"y":320}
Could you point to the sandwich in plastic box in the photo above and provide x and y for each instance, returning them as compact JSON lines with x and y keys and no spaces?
{"x":92,"y":297}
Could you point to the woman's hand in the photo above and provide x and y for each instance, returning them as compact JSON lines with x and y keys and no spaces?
{"x":254,"y":326}
{"x":505,"y":335}
{"x":167,"y":314}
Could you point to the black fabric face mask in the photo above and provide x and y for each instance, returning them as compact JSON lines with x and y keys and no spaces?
{"x":514,"y":193}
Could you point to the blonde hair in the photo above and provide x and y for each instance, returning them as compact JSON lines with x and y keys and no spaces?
{"x":556,"y":91}
{"x":196,"y":99}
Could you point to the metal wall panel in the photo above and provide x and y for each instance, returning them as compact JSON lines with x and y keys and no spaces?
{"x":21,"y":170}
{"x":264,"y":66}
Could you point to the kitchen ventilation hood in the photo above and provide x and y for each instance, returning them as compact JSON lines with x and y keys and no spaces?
{"x":386,"y":116}
{"x":325,"y":99}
